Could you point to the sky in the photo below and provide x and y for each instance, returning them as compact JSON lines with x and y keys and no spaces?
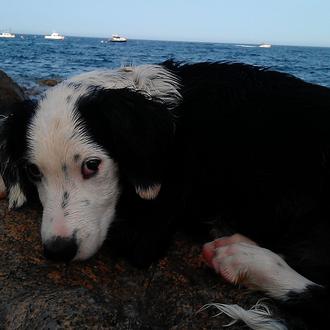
{"x":282,"y":22}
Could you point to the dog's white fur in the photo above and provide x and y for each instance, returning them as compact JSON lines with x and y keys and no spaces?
{"x":55,"y":140}
{"x":153,"y":81}
{"x":241,"y":261}
{"x":259,"y":269}
{"x":16,"y":197}
{"x":258,"y":317}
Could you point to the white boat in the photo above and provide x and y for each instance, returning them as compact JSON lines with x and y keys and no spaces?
{"x":265,"y":46}
{"x":117,"y":38}
{"x":55,"y":36}
{"x":7,"y":35}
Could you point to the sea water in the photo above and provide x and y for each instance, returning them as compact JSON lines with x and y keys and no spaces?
{"x":30,"y":58}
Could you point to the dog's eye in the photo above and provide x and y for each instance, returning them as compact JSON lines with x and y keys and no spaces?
{"x":33,"y":172}
{"x":90,"y":167}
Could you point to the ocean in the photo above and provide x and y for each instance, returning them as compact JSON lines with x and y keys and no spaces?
{"x":29,"y":59}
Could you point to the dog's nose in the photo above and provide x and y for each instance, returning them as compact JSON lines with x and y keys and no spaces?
{"x":61,"y":249}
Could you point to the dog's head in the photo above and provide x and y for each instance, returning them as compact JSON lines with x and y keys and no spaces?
{"x":85,"y":138}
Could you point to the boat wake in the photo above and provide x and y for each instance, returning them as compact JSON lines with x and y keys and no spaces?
{"x":246,"y":46}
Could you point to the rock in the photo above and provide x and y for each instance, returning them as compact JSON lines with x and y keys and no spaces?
{"x":10,"y":92}
{"x":49,"y":82}
{"x":103,"y":292}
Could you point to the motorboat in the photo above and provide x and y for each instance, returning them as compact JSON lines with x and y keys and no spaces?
{"x":265,"y":46}
{"x":55,"y":36}
{"x":117,"y":38}
{"x":7,"y":35}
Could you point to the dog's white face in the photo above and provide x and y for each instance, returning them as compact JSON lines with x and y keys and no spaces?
{"x":73,"y":166}
{"x":77,"y":181}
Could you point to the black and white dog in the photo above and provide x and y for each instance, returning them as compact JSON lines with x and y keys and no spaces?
{"x":137,"y":152}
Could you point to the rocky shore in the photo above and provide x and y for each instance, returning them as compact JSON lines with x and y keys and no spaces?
{"x":102,"y":293}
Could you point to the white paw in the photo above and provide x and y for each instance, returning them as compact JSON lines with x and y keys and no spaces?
{"x":251,"y":265}
{"x":16,"y":197}
{"x":256,"y":268}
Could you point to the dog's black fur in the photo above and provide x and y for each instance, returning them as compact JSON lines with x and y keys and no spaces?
{"x":13,"y":147}
{"x":250,"y":146}
{"x":246,"y":145}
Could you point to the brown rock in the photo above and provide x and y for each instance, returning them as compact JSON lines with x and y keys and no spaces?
{"x":49,"y":82}
{"x":102,"y":292}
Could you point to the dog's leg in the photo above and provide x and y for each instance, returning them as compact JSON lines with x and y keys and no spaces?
{"x":16,"y":196}
{"x":241,"y":261}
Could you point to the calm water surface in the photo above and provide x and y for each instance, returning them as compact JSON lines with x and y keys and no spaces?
{"x":31,"y":58}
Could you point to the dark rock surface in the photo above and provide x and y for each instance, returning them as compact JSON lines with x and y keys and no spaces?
{"x":102,"y":292}
{"x":10,"y":92}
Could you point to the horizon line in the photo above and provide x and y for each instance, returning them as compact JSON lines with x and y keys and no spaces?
{"x":190,"y":41}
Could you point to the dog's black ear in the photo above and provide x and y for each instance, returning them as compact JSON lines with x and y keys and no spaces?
{"x":13,"y":146}
{"x":137,"y":132}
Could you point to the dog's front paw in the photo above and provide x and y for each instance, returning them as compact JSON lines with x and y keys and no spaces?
{"x":209,"y":249}
{"x":257,"y":268}
{"x":16,"y":196}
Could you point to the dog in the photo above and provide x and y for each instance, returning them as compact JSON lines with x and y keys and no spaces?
{"x":136,"y":153}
